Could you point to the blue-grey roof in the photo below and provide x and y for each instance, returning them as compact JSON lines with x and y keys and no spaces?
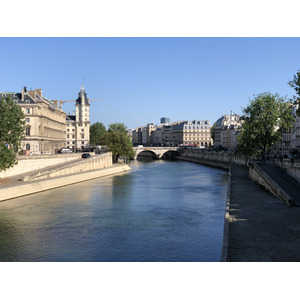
{"x":80,"y":95}
{"x":71,"y":118}
{"x":219,"y":122}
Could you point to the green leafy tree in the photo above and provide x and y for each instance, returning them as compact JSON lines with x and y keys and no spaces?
{"x":118,"y":142}
{"x":264,"y":117}
{"x":117,"y":127}
{"x":97,"y":133}
{"x":12,"y":126}
{"x":295,"y":84}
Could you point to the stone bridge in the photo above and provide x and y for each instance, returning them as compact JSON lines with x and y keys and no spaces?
{"x":157,"y":152}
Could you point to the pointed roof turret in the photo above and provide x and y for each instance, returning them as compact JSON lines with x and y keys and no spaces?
{"x":82,"y":97}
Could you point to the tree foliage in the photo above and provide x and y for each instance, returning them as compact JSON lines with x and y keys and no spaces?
{"x":117,"y":127}
{"x":264,"y":117}
{"x":97,"y":133}
{"x":12,"y":126}
{"x":295,"y":84}
{"x":118,"y":142}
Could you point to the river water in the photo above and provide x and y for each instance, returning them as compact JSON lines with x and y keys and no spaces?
{"x":159,"y":211}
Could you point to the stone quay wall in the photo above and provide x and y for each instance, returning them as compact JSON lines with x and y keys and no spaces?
{"x":263,"y":179}
{"x":24,"y":189}
{"x":211,"y":158}
{"x":36,"y":162}
{"x":292,"y":167}
{"x":83,"y":165}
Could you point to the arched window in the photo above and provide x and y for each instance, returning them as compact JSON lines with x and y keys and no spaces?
{"x":27,"y":146}
{"x":27,"y":131}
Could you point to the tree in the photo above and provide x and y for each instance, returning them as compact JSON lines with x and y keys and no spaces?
{"x":118,"y":142}
{"x":117,"y":127}
{"x":97,"y":133}
{"x":265,"y":115}
{"x":295,"y":84}
{"x":12,"y":126}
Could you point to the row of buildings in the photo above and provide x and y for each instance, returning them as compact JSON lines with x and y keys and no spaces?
{"x":196,"y":133}
{"x":48,"y":127}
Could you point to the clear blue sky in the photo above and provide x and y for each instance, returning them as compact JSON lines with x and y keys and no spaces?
{"x":144,"y":79}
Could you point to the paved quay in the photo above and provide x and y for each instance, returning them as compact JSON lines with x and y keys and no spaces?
{"x":262,"y":228}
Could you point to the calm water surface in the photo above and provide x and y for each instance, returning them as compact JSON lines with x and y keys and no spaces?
{"x":159,"y":211}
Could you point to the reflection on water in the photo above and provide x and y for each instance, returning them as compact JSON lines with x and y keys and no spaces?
{"x":159,"y":211}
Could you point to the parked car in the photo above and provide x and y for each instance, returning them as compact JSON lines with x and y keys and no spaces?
{"x":65,"y":150}
{"x":86,"y":155}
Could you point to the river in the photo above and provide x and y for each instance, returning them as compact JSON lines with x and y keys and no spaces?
{"x":159,"y":211}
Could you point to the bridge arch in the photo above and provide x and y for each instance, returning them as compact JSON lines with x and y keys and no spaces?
{"x":157,"y":152}
{"x":147,"y":153}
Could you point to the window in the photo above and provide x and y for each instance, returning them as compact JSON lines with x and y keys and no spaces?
{"x":85,"y":125}
{"x":82,"y":130}
{"x":73,"y":136}
{"x":67,"y":136}
{"x":82,"y":143}
{"x":27,"y":131}
{"x":68,"y":130}
{"x":67,"y":125}
{"x":82,"y":136}
{"x":73,"y":130}
{"x":27,"y":120}
{"x":27,"y":146}
{"x":27,"y":101}
{"x":27,"y":110}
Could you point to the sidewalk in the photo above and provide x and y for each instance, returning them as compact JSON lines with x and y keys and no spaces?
{"x":262,"y":227}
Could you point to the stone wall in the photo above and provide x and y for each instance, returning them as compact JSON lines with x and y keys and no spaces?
{"x":257,"y":175}
{"x":89,"y":164}
{"x":212,"y":158}
{"x":32,"y":163}
{"x":292,"y":167}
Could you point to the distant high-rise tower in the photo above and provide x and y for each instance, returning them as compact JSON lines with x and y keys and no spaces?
{"x":164,"y":120}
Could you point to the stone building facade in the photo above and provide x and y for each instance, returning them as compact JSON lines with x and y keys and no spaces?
{"x":227,"y":129}
{"x":78,"y":125}
{"x":45,"y":131}
{"x":196,"y":133}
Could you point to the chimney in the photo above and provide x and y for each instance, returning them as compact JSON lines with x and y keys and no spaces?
{"x":39,"y":92}
{"x":24,"y":90}
{"x":32,"y":94}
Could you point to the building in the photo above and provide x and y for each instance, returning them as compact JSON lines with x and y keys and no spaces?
{"x":227,"y":129}
{"x":45,"y":131}
{"x":137,"y":136}
{"x":78,"y":125}
{"x":195,"y":133}
{"x":164,"y":120}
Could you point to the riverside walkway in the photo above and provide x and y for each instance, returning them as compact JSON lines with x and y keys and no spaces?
{"x":262,"y":228}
